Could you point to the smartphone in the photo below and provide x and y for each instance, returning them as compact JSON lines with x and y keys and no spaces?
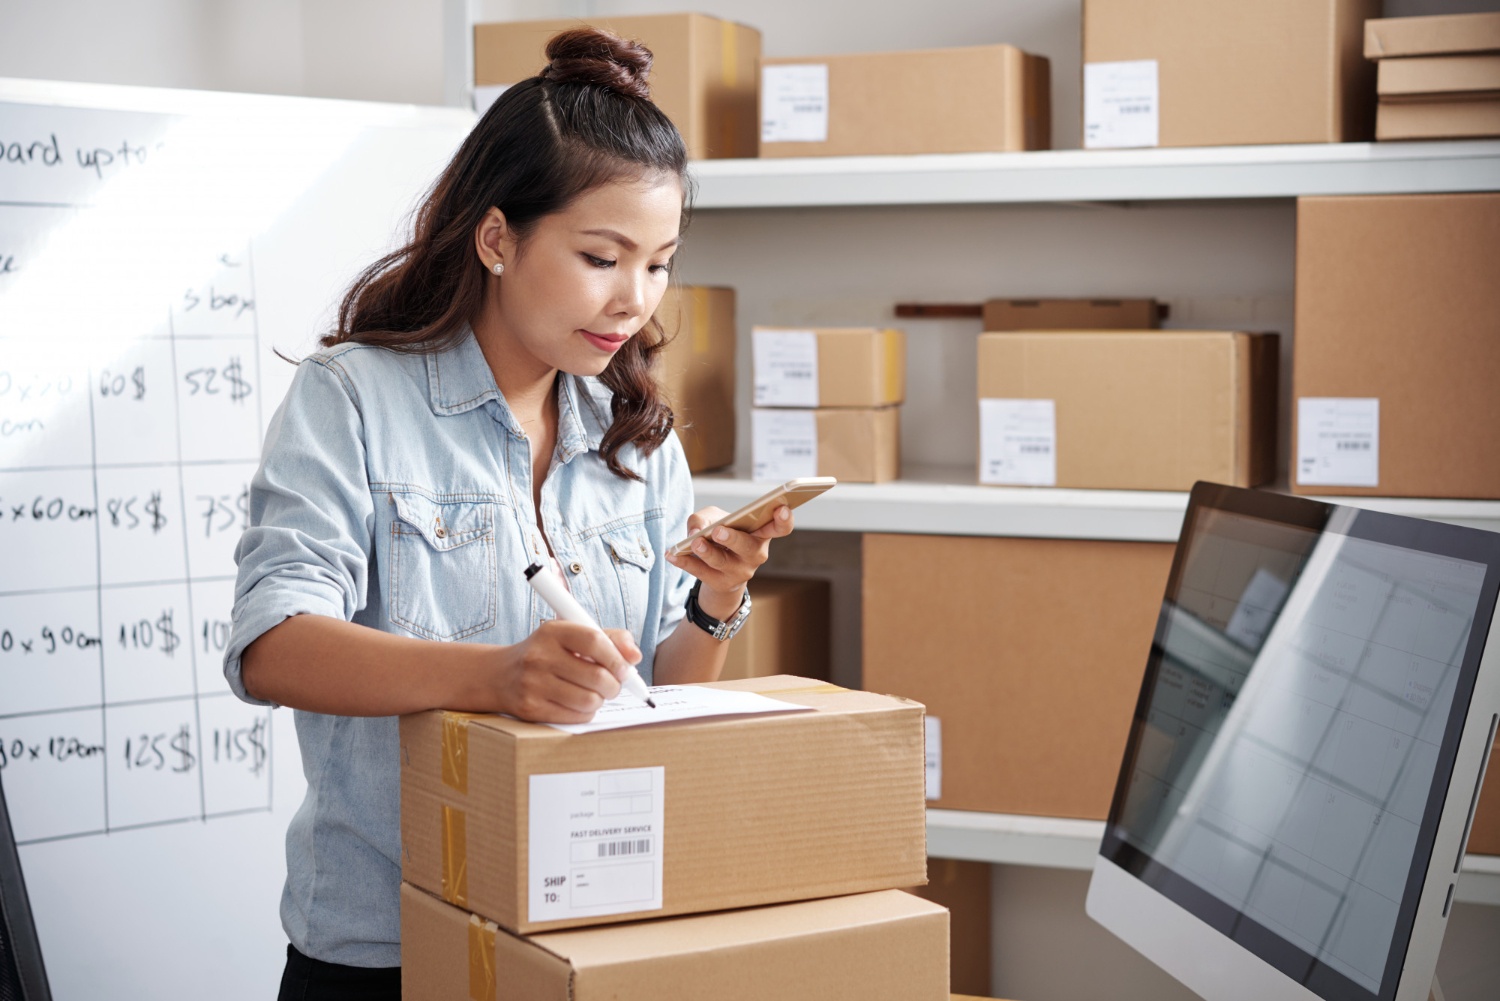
{"x":792,"y":493}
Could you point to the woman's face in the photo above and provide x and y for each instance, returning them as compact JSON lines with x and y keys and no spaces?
{"x":586,"y":279}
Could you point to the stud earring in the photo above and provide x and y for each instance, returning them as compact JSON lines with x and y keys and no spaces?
{"x":499,"y":268}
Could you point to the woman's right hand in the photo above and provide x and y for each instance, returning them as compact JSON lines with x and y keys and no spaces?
{"x":563,"y":672}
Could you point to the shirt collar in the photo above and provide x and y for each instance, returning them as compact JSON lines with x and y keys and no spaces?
{"x":459,"y":379}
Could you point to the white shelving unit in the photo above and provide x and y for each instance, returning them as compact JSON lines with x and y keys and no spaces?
{"x":1057,"y":843}
{"x":1230,"y":172}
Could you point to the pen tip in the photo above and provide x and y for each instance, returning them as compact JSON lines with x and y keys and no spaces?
{"x":651,"y":702}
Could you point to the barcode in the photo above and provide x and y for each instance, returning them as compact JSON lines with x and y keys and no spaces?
{"x":1352,"y":446}
{"x":615,"y":849}
{"x":796,"y":450}
{"x":1035,"y":449}
{"x":1135,"y":109}
{"x":807,"y":109}
{"x":795,"y":373}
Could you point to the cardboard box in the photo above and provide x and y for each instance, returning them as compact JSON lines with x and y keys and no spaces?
{"x":964,"y":889}
{"x":755,"y":810}
{"x":1396,"y":359}
{"x":1428,"y":76}
{"x":1073,"y":314}
{"x":1148,"y":410}
{"x":828,"y":367}
{"x":1441,"y":34}
{"x":697,"y":371}
{"x":886,"y":946}
{"x":1029,"y":658}
{"x":979,"y":98}
{"x":1226,"y":72}
{"x":786,"y":633}
{"x":856,"y":446}
{"x":1460,"y":119}
{"x":704,"y":73}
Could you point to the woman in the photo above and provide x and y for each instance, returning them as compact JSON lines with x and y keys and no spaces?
{"x":485,"y":403}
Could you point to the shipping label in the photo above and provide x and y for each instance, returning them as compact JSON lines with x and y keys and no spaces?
{"x":933,"y":732}
{"x":1338,"y":441}
{"x":794,"y":104}
{"x":1121,"y":106}
{"x":1018,"y":443}
{"x":595,"y":843}
{"x":783,"y":444}
{"x":786,"y":368}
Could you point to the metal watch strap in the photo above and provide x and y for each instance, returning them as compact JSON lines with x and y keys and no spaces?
{"x":718,"y":630}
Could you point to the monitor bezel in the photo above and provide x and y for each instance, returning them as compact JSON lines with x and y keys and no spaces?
{"x":1123,"y":869}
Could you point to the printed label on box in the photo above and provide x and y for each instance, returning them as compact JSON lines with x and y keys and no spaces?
{"x":1121,"y":106}
{"x":1338,"y":441}
{"x":595,"y":843}
{"x":1018,"y":443}
{"x":934,"y":736}
{"x":786,"y":368}
{"x":794,"y":104}
{"x":783,"y":444}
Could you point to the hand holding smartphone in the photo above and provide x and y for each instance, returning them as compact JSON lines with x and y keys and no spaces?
{"x":792,"y":493}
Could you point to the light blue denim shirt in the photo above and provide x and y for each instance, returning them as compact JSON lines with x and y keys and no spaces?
{"x":395,"y":491}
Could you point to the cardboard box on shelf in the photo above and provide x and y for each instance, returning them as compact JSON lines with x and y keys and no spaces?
{"x":964,"y":889}
{"x":786,"y":633}
{"x":1439,"y":34}
{"x":1225,"y":72}
{"x":1072,"y":314}
{"x":1127,"y":410}
{"x":979,"y":98}
{"x":854,"y":445}
{"x":704,"y":73}
{"x":1457,"y":119}
{"x":804,"y":804}
{"x":1396,"y":361}
{"x":697,"y":371}
{"x":1042,"y":645}
{"x":885,"y":946}
{"x":1427,"y":76}
{"x":828,"y":367}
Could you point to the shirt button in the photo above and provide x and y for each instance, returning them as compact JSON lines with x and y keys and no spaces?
{"x":576,"y":567}
{"x":441,"y":533}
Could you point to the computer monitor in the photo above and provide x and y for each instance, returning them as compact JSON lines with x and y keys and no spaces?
{"x":1307,"y":750}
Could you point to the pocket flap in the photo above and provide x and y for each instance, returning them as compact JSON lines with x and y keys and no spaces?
{"x":443,"y":526}
{"x":631,"y":548}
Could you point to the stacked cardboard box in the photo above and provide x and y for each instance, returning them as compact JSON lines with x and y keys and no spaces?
{"x":1072,"y":314}
{"x":1127,"y":409}
{"x":1439,"y":76}
{"x":703,"y":74}
{"x":980,"y":98}
{"x":696,"y":371}
{"x":512,"y":832}
{"x":827,"y":403}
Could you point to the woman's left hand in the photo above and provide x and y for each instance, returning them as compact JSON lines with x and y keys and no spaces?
{"x":726,"y":559}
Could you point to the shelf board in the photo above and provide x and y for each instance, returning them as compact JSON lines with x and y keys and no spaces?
{"x":1101,"y":175}
{"x":942,"y":500}
{"x":1062,"y":843}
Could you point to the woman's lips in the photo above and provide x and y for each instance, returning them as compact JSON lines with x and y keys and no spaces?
{"x":605,"y":342}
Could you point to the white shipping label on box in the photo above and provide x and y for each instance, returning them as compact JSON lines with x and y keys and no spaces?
{"x":1018,"y":443}
{"x":785,"y":363}
{"x":595,"y":843}
{"x":1121,"y":105}
{"x":934,"y":736}
{"x":783,"y":444}
{"x":1338,"y":441}
{"x":794,"y":104}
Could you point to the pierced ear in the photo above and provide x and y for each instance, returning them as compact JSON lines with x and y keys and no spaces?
{"x":492,"y":240}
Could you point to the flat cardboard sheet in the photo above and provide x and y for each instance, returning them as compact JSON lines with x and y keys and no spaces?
{"x":1434,"y":76}
{"x":1432,"y":35}
{"x":1072,"y":314}
{"x":1456,"y":119}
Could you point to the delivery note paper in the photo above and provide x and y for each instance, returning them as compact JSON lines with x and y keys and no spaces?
{"x":594,"y":843}
{"x":677,"y":702}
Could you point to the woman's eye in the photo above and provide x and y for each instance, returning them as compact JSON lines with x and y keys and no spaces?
{"x":599,"y":262}
{"x":662,"y":269}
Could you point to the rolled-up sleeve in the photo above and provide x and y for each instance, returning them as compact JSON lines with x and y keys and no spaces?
{"x":677,"y":503}
{"x":307,"y":548}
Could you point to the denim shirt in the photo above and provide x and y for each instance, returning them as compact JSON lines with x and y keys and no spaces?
{"x":395,"y":491}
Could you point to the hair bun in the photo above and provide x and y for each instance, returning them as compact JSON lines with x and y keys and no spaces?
{"x":599,"y":58}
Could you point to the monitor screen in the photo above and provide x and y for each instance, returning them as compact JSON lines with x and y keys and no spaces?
{"x":1295,"y":734}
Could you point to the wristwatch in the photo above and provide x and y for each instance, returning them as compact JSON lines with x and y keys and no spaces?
{"x":718,"y":630}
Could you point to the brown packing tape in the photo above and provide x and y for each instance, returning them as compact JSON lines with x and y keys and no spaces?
{"x":482,"y":982}
{"x":456,"y":751}
{"x":455,"y":856}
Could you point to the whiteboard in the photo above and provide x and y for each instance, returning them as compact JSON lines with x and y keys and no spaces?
{"x":156,"y":247}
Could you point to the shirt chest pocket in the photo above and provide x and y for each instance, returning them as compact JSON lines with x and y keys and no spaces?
{"x":631,"y":555}
{"x":444,"y":568}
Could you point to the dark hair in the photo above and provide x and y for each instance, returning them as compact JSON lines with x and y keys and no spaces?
{"x":585,"y":120}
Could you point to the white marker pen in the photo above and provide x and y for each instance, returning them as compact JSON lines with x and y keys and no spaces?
{"x":567,"y":608}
